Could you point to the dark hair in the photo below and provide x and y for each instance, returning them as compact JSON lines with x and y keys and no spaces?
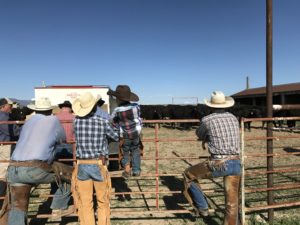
{"x":45,"y":112}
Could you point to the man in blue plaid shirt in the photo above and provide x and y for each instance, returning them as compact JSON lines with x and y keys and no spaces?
{"x":220,"y":130}
{"x":91,"y":135}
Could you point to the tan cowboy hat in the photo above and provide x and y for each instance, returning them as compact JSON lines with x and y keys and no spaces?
{"x":124,"y":93}
{"x":42,"y":104}
{"x":219,"y":100}
{"x":84,"y":104}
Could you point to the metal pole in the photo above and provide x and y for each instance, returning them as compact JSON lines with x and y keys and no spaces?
{"x":243,"y":211}
{"x":156,"y":166}
{"x":269,"y":107}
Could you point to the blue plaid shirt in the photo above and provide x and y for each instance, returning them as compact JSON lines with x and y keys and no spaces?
{"x":221,"y":132}
{"x":91,"y":135}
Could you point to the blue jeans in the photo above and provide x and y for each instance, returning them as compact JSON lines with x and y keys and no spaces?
{"x":230,"y":168}
{"x":132,"y":146}
{"x":24,"y":176}
{"x":89,"y":172}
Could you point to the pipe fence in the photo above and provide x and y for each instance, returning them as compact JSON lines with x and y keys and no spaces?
{"x":158,"y":191}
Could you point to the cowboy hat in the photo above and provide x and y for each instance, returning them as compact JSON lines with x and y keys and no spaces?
{"x":5,"y":101}
{"x":42,"y":104}
{"x":124,"y":93}
{"x":219,"y":100}
{"x":84,"y":104}
{"x":65,"y":104}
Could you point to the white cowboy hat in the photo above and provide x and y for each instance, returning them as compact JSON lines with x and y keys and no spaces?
{"x":219,"y":100}
{"x":42,"y":104}
{"x":84,"y":104}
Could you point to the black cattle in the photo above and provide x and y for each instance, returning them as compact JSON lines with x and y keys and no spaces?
{"x":183,"y":112}
{"x":19,"y":113}
{"x":152,"y":112}
{"x":246,"y":111}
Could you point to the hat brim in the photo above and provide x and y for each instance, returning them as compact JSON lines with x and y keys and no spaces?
{"x":229,"y":102}
{"x":133,"y":97}
{"x":33,"y":107}
{"x":81,"y":112}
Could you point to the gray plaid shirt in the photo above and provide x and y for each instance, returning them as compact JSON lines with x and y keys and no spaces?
{"x":91,"y":135}
{"x":221,"y":132}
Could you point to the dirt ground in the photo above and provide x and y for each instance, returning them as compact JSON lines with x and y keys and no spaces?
{"x":134,"y":208}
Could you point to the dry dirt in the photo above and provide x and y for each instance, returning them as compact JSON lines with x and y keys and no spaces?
{"x":136,"y":206}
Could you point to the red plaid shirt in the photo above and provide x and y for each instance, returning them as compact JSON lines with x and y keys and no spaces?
{"x":63,"y":117}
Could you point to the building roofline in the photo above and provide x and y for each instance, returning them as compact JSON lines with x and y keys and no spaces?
{"x":262,"y":90}
{"x":73,"y":87}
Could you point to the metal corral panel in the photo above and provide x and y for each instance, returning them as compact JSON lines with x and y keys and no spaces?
{"x":58,"y":94}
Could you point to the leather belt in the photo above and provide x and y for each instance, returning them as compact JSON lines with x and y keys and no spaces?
{"x":218,"y":157}
{"x":101,"y":159}
{"x":31,"y":163}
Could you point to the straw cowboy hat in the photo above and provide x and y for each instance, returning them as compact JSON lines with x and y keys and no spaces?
{"x":65,"y":104}
{"x":42,"y":104}
{"x":124,"y":93}
{"x":219,"y":100}
{"x":84,"y":104}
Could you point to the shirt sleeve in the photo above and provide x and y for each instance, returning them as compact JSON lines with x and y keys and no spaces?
{"x":201,"y":132}
{"x":112,"y":132}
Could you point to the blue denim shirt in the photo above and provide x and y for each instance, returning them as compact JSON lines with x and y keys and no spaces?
{"x":38,"y":138}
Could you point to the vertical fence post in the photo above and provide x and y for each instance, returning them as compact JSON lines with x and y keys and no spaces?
{"x":156,"y":166}
{"x":243,"y":215}
{"x":269,"y":106}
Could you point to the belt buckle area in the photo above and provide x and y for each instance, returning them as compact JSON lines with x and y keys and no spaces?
{"x":216,"y":157}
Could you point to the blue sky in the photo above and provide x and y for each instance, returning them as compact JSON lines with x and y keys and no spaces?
{"x":160,"y":48}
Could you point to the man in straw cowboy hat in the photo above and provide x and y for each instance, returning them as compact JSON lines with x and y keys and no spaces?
{"x":220,"y":130}
{"x":91,"y":134}
{"x":127,"y":116}
{"x":31,"y":161}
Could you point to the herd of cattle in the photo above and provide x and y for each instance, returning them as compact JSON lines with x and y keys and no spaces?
{"x":161,"y":112}
{"x":173,"y":112}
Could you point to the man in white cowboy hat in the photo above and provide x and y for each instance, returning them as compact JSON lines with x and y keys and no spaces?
{"x":8,"y":132}
{"x":220,"y":130}
{"x":91,"y":134}
{"x":127,"y":116}
{"x":31,"y":161}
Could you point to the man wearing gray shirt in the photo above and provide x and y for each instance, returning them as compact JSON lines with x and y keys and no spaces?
{"x":31,"y":161}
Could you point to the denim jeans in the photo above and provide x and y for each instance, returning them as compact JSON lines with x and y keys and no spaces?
{"x":21,"y":176}
{"x":89,"y":172}
{"x":230,"y":168}
{"x":230,"y":171}
{"x":132,"y":146}
{"x":84,"y":185}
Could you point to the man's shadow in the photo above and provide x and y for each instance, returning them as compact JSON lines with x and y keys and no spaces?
{"x":178,"y":202}
{"x":120,"y":185}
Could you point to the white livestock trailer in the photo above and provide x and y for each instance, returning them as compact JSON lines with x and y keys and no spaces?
{"x":60,"y":93}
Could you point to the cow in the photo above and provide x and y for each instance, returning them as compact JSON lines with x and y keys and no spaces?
{"x":19,"y":113}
